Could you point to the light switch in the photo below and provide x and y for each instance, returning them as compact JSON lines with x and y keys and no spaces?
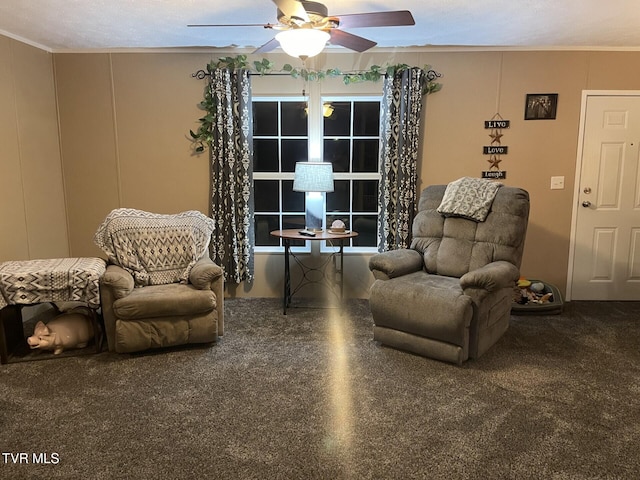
{"x":557,"y":183}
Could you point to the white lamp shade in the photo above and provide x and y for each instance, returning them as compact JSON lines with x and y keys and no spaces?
{"x":313,"y":177}
{"x":303,"y":42}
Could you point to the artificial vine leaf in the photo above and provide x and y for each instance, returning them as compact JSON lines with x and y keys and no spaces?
{"x":263,"y":67}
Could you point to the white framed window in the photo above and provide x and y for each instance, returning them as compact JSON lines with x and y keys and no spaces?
{"x":350,"y":140}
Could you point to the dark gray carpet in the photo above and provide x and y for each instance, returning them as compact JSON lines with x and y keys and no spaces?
{"x":311,"y":396}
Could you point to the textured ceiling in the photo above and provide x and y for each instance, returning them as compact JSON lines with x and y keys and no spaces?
{"x":78,"y":25}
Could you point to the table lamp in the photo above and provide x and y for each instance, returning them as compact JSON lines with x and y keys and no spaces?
{"x":313,"y":178}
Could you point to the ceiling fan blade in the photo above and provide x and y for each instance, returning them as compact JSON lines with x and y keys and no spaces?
{"x":264,"y":25}
{"x":292,"y":8}
{"x":377,"y":19}
{"x":267,"y":47}
{"x":353,"y":42}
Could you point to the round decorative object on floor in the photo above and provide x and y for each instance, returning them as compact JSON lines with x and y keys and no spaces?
{"x":535,"y":297}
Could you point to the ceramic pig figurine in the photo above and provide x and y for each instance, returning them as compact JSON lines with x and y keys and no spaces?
{"x":69,"y":330}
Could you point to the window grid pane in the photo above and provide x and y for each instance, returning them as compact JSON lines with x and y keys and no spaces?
{"x":354,"y":149}
{"x":280,"y":138}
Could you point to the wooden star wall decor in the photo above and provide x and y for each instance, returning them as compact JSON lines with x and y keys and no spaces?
{"x":494,"y":160}
{"x":495,"y":137}
{"x":495,"y":148}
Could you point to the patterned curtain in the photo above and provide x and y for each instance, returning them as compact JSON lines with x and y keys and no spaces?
{"x":401,"y":109}
{"x":231,"y":156}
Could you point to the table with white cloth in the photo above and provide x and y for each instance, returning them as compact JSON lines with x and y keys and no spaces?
{"x":31,"y":282}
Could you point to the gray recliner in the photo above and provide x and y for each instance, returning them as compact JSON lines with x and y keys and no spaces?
{"x":449,"y":295}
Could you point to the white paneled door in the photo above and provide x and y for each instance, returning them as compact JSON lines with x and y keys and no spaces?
{"x":606,"y":251}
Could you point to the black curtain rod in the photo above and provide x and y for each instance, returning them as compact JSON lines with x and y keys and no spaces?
{"x":201,"y":74}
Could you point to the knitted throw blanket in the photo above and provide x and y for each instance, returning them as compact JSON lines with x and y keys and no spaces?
{"x":469,"y":198}
{"x":156,"y":249}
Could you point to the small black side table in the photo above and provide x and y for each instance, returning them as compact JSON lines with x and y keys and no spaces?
{"x":293,"y":234}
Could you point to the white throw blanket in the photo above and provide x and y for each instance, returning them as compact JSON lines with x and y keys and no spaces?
{"x":156,"y":249}
{"x":469,"y":198}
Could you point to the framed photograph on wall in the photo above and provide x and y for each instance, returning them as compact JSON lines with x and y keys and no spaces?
{"x":541,"y":106}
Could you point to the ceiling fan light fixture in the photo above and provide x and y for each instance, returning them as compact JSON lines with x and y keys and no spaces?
{"x":303,"y":42}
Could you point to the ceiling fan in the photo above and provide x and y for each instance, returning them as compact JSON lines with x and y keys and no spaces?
{"x":301,"y":21}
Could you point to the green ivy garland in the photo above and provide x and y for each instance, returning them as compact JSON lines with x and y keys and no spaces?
{"x":203,"y":136}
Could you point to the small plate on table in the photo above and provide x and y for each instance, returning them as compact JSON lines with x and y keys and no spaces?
{"x":343,"y":232}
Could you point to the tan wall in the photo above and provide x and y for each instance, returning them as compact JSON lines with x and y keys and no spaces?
{"x":125,"y":117}
{"x":478,"y":85}
{"x":32,"y":211}
{"x":124,"y":121}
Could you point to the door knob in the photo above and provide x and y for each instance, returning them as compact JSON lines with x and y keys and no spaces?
{"x":586,"y":204}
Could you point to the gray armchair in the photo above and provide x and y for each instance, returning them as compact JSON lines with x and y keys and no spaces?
{"x":160,"y":288}
{"x":449,"y":295}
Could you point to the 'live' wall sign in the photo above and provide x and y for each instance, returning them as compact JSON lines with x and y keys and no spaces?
{"x":497,"y":123}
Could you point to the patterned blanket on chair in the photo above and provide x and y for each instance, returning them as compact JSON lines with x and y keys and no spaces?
{"x":469,"y":198}
{"x":156,"y":249}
